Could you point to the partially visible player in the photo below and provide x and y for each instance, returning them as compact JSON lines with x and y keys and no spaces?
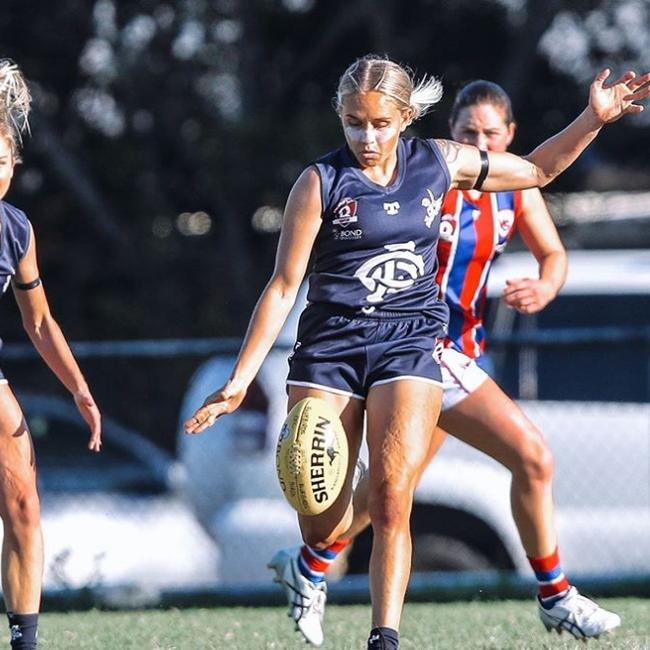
{"x":22,"y":547}
{"x":368,"y":214}
{"x":475,"y":228}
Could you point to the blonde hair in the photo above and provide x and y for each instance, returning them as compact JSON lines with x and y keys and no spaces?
{"x":375,"y":73}
{"x":15,"y":104}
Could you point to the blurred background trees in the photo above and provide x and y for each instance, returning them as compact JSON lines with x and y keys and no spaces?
{"x":166,"y":134}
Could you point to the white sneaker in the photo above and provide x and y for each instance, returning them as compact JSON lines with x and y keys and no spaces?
{"x":306,"y":599}
{"x":578,"y":615}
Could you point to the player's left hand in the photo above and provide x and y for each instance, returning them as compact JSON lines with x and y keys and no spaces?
{"x":527,"y":295}
{"x":223,"y":401}
{"x":610,"y":101}
{"x":90,"y":413}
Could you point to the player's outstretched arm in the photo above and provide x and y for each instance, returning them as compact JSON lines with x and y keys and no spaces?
{"x":530,"y":295}
{"x":302,"y":220}
{"x":50,"y":343}
{"x":608,"y":102}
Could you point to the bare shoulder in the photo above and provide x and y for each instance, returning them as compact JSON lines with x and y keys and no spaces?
{"x":305,"y":196}
{"x":309,"y":179}
{"x":449,"y":149}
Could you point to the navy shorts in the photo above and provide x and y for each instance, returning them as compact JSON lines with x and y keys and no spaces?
{"x":349,"y":353}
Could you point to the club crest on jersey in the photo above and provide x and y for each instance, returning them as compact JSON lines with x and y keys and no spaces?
{"x":432,"y":205}
{"x":505,"y":222}
{"x":345,"y":212}
{"x":390,"y":272}
{"x":448,"y":225}
{"x":392,"y":207}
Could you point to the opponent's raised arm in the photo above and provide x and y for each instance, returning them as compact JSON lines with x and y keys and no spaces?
{"x":302,"y":220}
{"x":494,"y":172}
{"x":49,"y":341}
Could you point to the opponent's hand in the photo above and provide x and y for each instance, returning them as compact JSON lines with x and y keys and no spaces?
{"x":610,"y":101}
{"x":223,"y":401}
{"x":527,"y":295}
{"x":90,"y":413}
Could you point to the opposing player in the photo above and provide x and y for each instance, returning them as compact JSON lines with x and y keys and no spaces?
{"x":475,"y":228}
{"x":22,"y":547}
{"x":370,"y":214}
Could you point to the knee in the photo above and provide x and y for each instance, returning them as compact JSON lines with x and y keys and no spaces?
{"x":21,"y":510}
{"x":535,"y":459}
{"x":390,"y":505}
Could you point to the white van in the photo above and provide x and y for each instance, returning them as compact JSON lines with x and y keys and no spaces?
{"x":461,"y":518}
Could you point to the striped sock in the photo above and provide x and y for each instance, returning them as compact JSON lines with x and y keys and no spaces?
{"x":313,"y":563}
{"x":550,"y":578}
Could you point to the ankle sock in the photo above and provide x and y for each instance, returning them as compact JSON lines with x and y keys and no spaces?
{"x":24,"y":631}
{"x":551,"y":580}
{"x":313,"y":563}
{"x":383,"y":638}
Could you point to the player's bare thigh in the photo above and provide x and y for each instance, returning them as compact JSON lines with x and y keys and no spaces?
{"x":17,"y":460}
{"x":490,"y":421}
{"x":402,"y":417}
{"x":351,"y":412}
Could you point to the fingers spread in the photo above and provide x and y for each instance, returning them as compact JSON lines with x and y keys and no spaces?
{"x":600,"y":78}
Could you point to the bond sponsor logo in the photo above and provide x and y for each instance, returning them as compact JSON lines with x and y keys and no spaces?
{"x":356,"y":233}
{"x":392,"y":207}
{"x":319,"y":452}
{"x":345,"y":212}
{"x":390,"y":272}
{"x":448,"y":225}
{"x":432,"y":205}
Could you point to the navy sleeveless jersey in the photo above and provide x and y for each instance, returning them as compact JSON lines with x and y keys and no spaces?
{"x":376,"y":248}
{"x":14,"y":240}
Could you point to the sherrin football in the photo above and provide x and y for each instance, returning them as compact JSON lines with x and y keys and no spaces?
{"x":312,"y":456}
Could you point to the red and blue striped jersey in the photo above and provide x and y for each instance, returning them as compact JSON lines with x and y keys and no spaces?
{"x":473,"y":233}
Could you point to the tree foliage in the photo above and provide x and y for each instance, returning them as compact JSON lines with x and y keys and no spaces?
{"x":161,"y":128}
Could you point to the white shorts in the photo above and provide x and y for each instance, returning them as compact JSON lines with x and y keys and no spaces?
{"x":461,"y":376}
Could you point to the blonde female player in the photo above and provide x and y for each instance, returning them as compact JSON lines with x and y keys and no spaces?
{"x":370,"y":214}
{"x":22,"y":547}
{"x":475,"y":228}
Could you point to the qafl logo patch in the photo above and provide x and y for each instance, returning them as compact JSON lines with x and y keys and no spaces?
{"x":345,"y":212}
{"x":390,"y":272}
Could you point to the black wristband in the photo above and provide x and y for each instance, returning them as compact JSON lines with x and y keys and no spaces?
{"x":26,"y":286}
{"x":485,"y":168}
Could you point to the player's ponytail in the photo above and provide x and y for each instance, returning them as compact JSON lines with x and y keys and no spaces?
{"x":426,"y":94}
{"x":15,"y":103}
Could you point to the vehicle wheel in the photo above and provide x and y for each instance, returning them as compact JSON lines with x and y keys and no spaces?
{"x":440,"y":553}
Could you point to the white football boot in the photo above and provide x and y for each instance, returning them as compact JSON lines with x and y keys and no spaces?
{"x":306,"y":599}
{"x":578,"y":615}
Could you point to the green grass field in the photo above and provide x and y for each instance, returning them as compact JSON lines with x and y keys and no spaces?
{"x":507,"y":625}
